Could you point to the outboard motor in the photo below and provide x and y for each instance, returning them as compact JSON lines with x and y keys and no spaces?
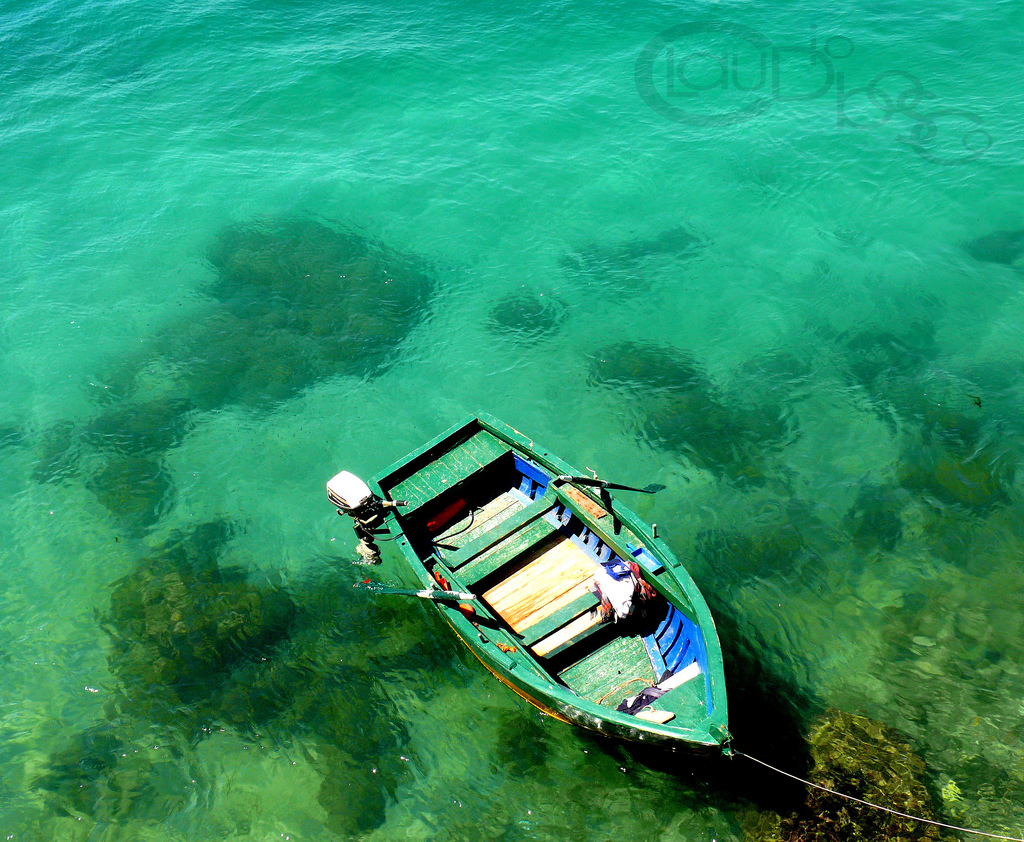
{"x":353,"y":497}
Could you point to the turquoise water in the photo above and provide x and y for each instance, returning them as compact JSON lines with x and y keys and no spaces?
{"x":793,"y":297}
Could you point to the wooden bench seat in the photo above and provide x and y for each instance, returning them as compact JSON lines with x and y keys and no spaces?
{"x":502,"y":531}
{"x":492,"y":560}
{"x":573,"y":632}
{"x":546,"y":599}
{"x":472,"y":524}
{"x":461,"y":462}
{"x":559,"y":617}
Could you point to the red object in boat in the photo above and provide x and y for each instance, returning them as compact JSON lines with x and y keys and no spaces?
{"x":445,"y":516}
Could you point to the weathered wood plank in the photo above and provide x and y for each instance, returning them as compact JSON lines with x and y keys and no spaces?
{"x":555,"y":615}
{"x":483,"y":447}
{"x":584,"y":502}
{"x":515,"y":522}
{"x":617,"y":542}
{"x":449,"y":468}
{"x":612,"y":673}
{"x":554,"y":576}
{"x":515,"y":545}
{"x":550,"y":571}
{"x":570,"y":634}
{"x":488,"y":516}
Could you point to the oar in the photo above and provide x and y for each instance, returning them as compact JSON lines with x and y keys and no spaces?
{"x":653,"y":488}
{"x":606,"y":497}
{"x":426,"y":593}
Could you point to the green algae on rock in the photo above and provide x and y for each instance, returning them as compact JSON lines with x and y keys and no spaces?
{"x":865,"y":759}
{"x":761,"y":550}
{"x":140,"y":429}
{"x":117,"y":771}
{"x":683,"y":411}
{"x":57,"y":453}
{"x":294,"y":301}
{"x":179,"y":623}
{"x":522,"y":745}
{"x":526,"y":316}
{"x":871,"y":354}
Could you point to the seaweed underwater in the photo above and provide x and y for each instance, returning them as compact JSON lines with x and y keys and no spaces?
{"x":863,"y":758}
{"x":199,"y":646}
{"x":1003,"y":247}
{"x":293,"y":301}
{"x":629,"y":266}
{"x":945,"y":652}
{"x":683,"y":412}
{"x":953,"y":452}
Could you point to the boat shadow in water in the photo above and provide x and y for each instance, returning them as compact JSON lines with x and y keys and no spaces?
{"x":768,"y":718}
{"x":780,"y":723}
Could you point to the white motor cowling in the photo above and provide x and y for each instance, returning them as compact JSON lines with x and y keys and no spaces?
{"x":347,"y":491}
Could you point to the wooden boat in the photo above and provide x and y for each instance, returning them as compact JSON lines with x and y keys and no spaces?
{"x":525,"y":562}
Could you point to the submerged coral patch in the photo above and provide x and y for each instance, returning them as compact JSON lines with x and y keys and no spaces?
{"x":874,"y":519}
{"x":869,"y":354}
{"x":864,"y":759}
{"x":684,"y":412}
{"x":630,"y":265}
{"x":526,"y":315}
{"x":762,"y":550}
{"x":293,"y":301}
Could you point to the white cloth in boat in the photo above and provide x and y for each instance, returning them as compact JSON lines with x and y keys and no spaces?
{"x":615,"y":584}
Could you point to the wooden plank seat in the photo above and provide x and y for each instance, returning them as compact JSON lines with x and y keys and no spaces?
{"x":502,"y":531}
{"x":491,"y":561}
{"x":458,"y":464}
{"x":559,"y":617}
{"x":546,"y":598}
{"x":472,"y":524}
{"x":576,"y":631}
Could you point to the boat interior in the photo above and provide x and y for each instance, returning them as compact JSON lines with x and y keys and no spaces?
{"x":505,"y":533}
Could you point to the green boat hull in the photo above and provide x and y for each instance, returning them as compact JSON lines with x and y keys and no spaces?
{"x":566,"y":665}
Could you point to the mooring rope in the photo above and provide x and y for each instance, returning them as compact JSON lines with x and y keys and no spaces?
{"x":879,"y":806}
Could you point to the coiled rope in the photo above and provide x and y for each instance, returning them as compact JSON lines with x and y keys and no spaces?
{"x":879,"y":806}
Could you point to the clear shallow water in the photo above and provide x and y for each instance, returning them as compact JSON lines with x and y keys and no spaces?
{"x":786,"y":319}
